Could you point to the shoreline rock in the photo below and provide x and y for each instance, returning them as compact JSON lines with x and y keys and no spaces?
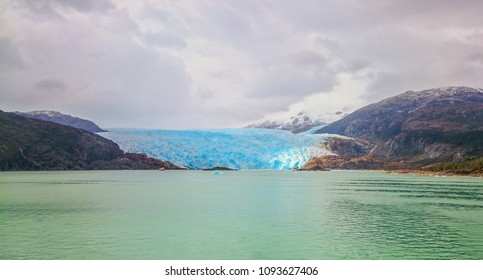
{"x":219,"y":168}
{"x":369,"y":162}
{"x":432,"y":173}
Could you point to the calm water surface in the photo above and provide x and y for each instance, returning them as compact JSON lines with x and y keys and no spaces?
{"x":239,"y":215}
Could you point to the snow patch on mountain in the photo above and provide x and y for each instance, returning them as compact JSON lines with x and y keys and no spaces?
{"x":57,"y":117}
{"x":302,"y":122}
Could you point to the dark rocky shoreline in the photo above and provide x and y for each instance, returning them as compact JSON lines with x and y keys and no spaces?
{"x":32,"y":144}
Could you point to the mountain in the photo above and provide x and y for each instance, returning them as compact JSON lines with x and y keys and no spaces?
{"x":302,"y":122}
{"x":419,"y":127}
{"x":31,"y":144}
{"x":56,"y":117}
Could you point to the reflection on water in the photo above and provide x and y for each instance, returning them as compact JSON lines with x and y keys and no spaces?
{"x":240,"y":215}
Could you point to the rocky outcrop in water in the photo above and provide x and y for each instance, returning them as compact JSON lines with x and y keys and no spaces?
{"x":219,"y":168}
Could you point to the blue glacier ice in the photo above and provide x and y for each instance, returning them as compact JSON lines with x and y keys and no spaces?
{"x":313,"y":129}
{"x":246,"y":148}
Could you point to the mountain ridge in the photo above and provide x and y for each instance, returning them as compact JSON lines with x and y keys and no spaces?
{"x":64,"y":119}
{"x":302,"y":122}
{"x":419,"y":127}
{"x":32,"y":144}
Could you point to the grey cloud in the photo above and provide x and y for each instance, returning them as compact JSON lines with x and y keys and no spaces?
{"x":184,"y":64}
{"x":391,"y":83}
{"x":431,"y":13}
{"x":46,"y":10}
{"x":357,"y":65}
{"x":329,"y":44}
{"x":235,"y":24}
{"x":309,"y":58}
{"x":9,"y":55}
{"x":51,"y":84}
{"x":476,"y":37}
{"x":294,"y":77}
{"x":239,"y":111}
{"x":141,"y":87}
{"x":246,"y":25}
{"x":51,"y":6}
{"x":111,"y":78}
{"x":292,"y":84}
{"x":163,"y":39}
{"x":205,"y":93}
{"x":86,"y":5}
{"x":176,"y":18}
{"x":41,"y":10}
{"x":476,"y":57}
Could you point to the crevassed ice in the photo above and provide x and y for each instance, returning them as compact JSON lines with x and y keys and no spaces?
{"x":247,"y":148}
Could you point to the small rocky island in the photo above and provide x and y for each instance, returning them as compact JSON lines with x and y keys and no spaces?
{"x":219,"y":168}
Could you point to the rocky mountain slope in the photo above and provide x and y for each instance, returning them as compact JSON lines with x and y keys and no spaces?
{"x":31,"y":144}
{"x":419,"y":127}
{"x":302,"y":122}
{"x":56,"y":117}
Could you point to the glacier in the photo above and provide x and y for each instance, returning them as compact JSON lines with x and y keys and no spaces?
{"x":244,"y":148}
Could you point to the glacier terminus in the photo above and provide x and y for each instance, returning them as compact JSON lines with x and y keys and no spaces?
{"x":245,"y":148}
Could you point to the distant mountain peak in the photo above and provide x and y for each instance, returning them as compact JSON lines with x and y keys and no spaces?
{"x":46,"y":112}
{"x":302,"y":122}
{"x":60,"y":118}
{"x":440,"y":92}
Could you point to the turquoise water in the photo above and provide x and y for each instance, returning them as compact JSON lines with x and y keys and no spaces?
{"x":239,"y":215}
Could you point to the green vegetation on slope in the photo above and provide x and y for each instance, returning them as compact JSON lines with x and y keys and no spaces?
{"x":474,"y":166}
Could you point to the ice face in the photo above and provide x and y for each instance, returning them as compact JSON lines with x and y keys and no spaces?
{"x":246,"y":148}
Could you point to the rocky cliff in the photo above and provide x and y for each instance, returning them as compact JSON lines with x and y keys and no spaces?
{"x":31,"y":144}
{"x":419,"y":127}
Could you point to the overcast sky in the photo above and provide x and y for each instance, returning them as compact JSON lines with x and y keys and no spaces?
{"x":199,"y":64}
